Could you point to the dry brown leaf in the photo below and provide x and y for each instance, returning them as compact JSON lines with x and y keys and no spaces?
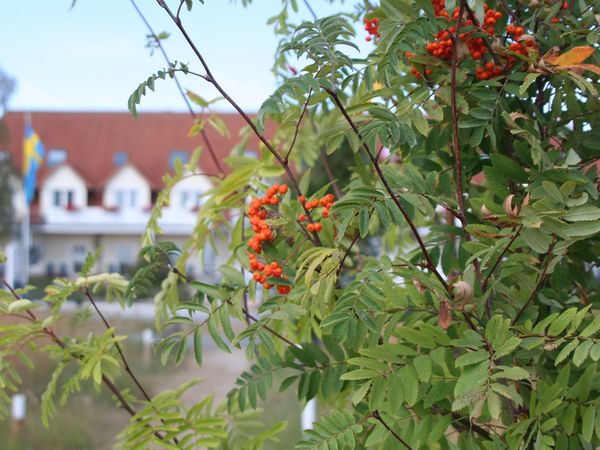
{"x":445,"y":314}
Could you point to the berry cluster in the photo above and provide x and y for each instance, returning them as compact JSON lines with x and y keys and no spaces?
{"x":324,"y":202}
{"x":372,"y":27}
{"x":261,"y":271}
{"x":257,"y":215}
{"x":441,"y":46}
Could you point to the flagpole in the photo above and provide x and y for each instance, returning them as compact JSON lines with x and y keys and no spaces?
{"x":26,"y":225}
{"x":26,"y":243}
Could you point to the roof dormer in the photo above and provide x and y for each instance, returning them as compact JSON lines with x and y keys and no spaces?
{"x":127,"y":189}
{"x":62,"y":188}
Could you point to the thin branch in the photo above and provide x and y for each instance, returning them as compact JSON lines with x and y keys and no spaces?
{"x":203,"y":133}
{"x":210,"y":77}
{"x":390,"y":191}
{"x":312,"y":11}
{"x":272,"y":331}
{"x":336,"y":188}
{"x":539,"y":283}
{"x":499,"y":260}
{"x":181,"y":2}
{"x":378,"y":417}
{"x":126,"y":365}
{"x":341,"y":264}
{"x":297,"y":129}
{"x":455,"y":136}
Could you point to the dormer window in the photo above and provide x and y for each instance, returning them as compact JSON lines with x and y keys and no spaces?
{"x":189,"y":199}
{"x":182,"y":155}
{"x":120,"y":158}
{"x":126,"y":198}
{"x":62,"y":198}
{"x":56,"y":156}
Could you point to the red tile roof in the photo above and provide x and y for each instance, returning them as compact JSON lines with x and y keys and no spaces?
{"x":92,"y":138}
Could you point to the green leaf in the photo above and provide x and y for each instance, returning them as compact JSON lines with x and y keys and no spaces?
{"x":363,"y":223}
{"x":198,"y":346}
{"x":471,"y":358}
{"x":360,"y":374}
{"x":562,"y":322}
{"x":21,"y":305}
{"x":582,"y":229}
{"x":581,"y":352}
{"x":511,"y":373}
{"x":216,"y":337}
{"x":360,"y":393}
{"x":592,"y":328}
{"x":536,"y":239}
{"x":566,"y":351}
{"x":582,"y":213}
{"x":494,"y":404}
{"x":529,"y":79}
{"x":587,"y":422}
{"x":422,"y":364}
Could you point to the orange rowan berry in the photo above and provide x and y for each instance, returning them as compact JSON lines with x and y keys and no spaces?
{"x":284,"y":289}
{"x":325,"y":213}
{"x":283,"y":189}
{"x":302,"y":199}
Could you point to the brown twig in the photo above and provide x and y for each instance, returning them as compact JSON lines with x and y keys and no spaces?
{"x":126,"y":365}
{"x":455,"y":136}
{"x":499,"y":260}
{"x":346,"y":253}
{"x":298,"y":123}
{"x":336,"y":189}
{"x":539,"y":283}
{"x":378,"y":417}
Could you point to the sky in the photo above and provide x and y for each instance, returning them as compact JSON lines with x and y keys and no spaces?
{"x":91,"y":57}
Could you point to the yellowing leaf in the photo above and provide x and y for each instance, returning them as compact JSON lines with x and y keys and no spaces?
{"x":574,"y":56}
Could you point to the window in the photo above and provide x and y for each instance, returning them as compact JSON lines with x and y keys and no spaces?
{"x":56,"y":198}
{"x":182,"y":155}
{"x":70,"y":197}
{"x":126,"y":198}
{"x":79,"y":253}
{"x":56,"y":156}
{"x":120,"y":158}
{"x":133,"y":199}
{"x":184,"y":199}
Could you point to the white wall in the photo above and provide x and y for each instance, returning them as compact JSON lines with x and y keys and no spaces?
{"x":186,"y":195}
{"x":63,"y":180}
{"x":127,"y":189}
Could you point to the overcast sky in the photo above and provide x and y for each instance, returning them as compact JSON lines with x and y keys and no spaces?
{"x":93,"y":56}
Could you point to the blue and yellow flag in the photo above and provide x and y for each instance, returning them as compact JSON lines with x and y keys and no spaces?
{"x":33,"y":156}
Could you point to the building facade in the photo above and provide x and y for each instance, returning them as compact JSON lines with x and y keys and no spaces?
{"x":101,"y":175}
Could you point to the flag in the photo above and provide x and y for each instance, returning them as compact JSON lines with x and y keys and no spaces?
{"x":33,"y":156}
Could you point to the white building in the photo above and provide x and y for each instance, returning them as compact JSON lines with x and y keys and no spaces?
{"x":100,"y":178}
